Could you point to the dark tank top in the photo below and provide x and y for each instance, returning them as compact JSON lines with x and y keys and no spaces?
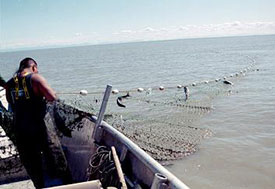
{"x":28,"y":108}
{"x":30,"y":129}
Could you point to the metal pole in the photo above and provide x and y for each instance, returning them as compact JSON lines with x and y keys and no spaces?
{"x":159,"y":181}
{"x":101,"y":112}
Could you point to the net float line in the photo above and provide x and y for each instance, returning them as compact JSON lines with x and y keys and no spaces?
{"x":224,"y":79}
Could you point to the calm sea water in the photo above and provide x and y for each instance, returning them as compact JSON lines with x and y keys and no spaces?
{"x":241,"y":152}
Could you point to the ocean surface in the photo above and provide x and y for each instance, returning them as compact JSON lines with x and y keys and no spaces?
{"x":240,"y":151}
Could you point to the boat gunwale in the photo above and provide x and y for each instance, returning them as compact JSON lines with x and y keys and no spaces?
{"x":145,"y":158}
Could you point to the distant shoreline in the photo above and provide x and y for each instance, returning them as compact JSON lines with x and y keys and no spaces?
{"x":56,"y":46}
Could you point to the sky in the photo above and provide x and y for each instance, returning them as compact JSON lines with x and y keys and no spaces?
{"x":45,"y":23}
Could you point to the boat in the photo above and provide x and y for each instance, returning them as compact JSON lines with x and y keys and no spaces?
{"x":134,"y":167}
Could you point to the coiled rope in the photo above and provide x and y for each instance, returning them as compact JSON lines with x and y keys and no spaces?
{"x":102,"y":167}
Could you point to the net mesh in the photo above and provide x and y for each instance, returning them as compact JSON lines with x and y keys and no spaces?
{"x":159,"y":120}
{"x":163,"y":128}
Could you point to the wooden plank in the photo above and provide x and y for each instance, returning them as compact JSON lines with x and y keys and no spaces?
{"x":118,"y":168}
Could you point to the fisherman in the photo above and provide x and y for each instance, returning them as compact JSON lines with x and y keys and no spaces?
{"x":28,"y":92}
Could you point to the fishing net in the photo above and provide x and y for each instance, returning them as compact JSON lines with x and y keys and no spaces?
{"x":10,"y":165}
{"x":65,"y":125}
{"x":160,"y":120}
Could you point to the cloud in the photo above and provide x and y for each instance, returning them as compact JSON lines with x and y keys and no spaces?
{"x":183,"y":28}
{"x":237,"y":27}
{"x":149,"y":29}
{"x":127,"y":31}
{"x":78,"y":34}
{"x":51,"y":40}
{"x":149,"y":33}
{"x":235,"y":24}
{"x":190,"y":31}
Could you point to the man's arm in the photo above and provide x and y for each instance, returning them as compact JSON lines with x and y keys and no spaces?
{"x":42,"y":88}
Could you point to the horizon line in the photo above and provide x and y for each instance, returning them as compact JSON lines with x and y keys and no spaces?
{"x":56,"y":46}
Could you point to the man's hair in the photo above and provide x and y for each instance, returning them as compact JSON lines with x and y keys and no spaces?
{"x":25,"y":63}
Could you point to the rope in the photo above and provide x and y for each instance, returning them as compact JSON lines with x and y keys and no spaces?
{"x":102,"y":167}
{"x":179,"y":86}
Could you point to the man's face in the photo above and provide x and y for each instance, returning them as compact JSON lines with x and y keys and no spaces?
{"x":34,"y":67}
